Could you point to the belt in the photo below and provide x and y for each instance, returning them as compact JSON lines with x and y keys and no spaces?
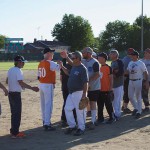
{"x":14,"y":92}
{"x":134,"y":79}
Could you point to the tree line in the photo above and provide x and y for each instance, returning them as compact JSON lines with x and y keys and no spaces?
{"x":77,"y":32}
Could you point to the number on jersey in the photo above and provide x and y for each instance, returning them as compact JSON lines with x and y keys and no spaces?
{"x":42,"y":72}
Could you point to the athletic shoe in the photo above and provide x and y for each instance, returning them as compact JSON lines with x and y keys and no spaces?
{"x":138,"y":115}
{"x":122,"y":108}
{"x":79,"y":132}
{"x":146,"y":109}
{"x":127,"y":111}
{"x":134,"y":112}
{"x":64,"y":124}
{"x":19,"y":135}
{"x":70,"y":130}
{"x":91,"y":126}
{"x":102,"y":121}
{"x":49,"y":128}
{"x":110,"y":121}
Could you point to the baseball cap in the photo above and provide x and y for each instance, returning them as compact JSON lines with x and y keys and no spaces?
{"x":134,"y":53}
{"x":88,"y":50}
{"x":77,"y":54}
{"x":20,"y":58}
{"x":114,"y":51}
{"x":130,"y":50}
{"x":94,"y":54}
{"x":104,"y":55}
{"x":147,"y":50}
{"x":46,"y":50}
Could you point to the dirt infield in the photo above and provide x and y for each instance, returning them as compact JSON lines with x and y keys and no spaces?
{"x":126,"y":134}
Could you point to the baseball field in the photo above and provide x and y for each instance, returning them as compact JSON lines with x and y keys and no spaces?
{"x":126,"y":134}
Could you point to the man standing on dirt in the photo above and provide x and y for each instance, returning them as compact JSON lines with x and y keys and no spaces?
{"x":47,"y":78}
{"x":93,"y":68}
{"x":77,"y":86}
{"x":118,"y":73}
{"x":15,"y":85}
{"x":126,"y":61}
{"x":136,"y":69}
{"x":146,"y":61}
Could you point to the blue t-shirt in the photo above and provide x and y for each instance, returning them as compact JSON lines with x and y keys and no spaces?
{"x":78,"y":76}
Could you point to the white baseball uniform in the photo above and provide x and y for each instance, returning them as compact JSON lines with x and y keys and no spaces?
{"x":136,"y":70}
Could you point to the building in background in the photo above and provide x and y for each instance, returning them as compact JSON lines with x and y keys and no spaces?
{"x":38,"y":45}
{"x":13,"y":45}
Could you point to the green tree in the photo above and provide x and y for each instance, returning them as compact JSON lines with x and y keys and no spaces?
{"x":115,"y":36}
{"x":74,"y":31}
{"x":2,"y":40}
{"x":146,"y":33}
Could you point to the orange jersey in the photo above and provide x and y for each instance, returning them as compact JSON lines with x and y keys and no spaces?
{"x":45,"y":74}
{"x":106,"y":71}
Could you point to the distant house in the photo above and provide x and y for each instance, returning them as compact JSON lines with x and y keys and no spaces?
{"x":38,"y":45}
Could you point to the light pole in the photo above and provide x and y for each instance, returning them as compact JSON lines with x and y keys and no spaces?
{"x":142,"y":28}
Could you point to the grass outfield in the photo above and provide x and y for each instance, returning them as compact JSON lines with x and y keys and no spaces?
{"x":28,"y":66}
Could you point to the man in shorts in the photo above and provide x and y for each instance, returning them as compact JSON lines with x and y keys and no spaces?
{"x":93,"y":68}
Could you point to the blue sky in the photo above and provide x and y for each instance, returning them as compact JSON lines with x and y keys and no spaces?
{"x":31,"y":19}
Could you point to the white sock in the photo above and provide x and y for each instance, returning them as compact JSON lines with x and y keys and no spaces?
{"x":93,"y":115}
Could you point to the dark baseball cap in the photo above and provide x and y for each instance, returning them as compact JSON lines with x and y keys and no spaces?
{"x":46,"y":50}
{"x":130,"y":50}
{"x":20,"y":58}
{"x":104,"y":55}
{"x":135,"y":53}
{"x":147,"y":50}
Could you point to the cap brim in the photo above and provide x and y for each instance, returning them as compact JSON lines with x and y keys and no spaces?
{"x":25,"y":61}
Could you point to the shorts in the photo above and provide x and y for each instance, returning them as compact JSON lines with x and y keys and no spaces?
{"x":93,"y":95}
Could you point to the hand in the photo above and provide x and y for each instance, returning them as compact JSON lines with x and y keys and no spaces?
{"x":146,"y":84}
{"x":84,"y":95}
{"x":35,"y":89}
{"x":60,"y":63}
{"x":64,"y":54}
{"x":6,"y":92}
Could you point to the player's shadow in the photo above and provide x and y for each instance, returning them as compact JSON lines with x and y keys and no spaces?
{"x":37,"y":139}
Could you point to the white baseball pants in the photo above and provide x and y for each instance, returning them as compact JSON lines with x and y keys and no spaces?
{"x":118,"y":95}
{"x":71,"y":103}
{"x":134,"y":93}
{"x":46,"y":94}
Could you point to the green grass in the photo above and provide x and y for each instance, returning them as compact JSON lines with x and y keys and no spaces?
{"x":27,"y":66}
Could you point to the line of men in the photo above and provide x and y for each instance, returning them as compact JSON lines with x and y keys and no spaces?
{"x":85,"y":78}
{"x":111,"y":80}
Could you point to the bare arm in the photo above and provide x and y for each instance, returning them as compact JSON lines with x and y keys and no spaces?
{"x":24,"y":85}
{"x":95,"y":76}
{"x":85,"y":89}
{"x":111,"y":81}
{"x":146,"y":78}
{"x":64,"y":54}
{"x":4,"y":89}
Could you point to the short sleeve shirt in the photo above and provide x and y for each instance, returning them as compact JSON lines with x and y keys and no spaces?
{"x":117,"y":81}
{"x":14,"y":75}
{"x":77,"y":78}
{"x":147,"y":64}
{"x":136,"y":69}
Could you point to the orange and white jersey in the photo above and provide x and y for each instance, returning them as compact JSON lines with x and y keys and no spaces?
{"x":47,"y":71}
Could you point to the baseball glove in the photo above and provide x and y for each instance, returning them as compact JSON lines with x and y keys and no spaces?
{"x":83,"y":103}
{"x":111,"y":95}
